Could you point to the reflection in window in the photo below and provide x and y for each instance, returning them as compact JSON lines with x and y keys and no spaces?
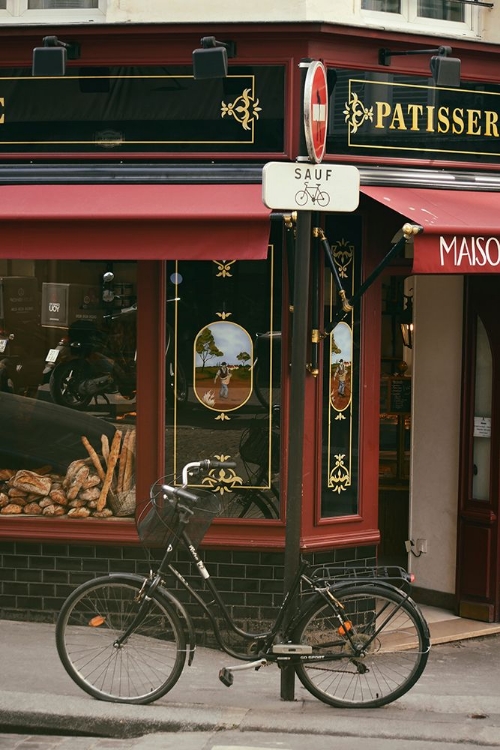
{"x":444,"y":10}
{"x":384,"y":6}
{"x":67,"y":389}
{"x":223,"y":376}
{"x":61,"y":4}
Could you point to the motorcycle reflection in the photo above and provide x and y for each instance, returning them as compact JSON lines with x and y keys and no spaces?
{"x":90,"y":362}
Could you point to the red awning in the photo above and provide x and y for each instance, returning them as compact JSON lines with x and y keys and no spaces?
{"x":461,"y":227}
{"x":204,"y":222}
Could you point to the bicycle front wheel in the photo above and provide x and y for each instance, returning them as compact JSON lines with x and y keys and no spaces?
{"x":140,"y":670}
{"x":374,"y":659}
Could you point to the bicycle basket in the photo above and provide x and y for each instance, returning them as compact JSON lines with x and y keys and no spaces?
{"x":158,"y":523}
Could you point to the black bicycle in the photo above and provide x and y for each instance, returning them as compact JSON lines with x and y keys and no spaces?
{"x":356,"y":640}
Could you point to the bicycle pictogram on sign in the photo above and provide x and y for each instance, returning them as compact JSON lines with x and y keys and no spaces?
{"x":313,"y":194}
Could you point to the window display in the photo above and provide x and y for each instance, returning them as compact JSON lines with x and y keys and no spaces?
{"x":67,"y":389}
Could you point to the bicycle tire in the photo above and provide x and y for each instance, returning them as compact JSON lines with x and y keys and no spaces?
{"x":149,"y":662}
{"x":322,"y":199}
{"x":394,"y":660}
{"x":249,"y":504}
{"x":301,"y":197}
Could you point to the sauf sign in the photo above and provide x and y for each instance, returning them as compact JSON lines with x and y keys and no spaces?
{"x":325,"y":187}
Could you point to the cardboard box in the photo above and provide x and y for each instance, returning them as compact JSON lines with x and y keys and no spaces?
{"x":64,"y":304}
{"x":18,"y":301}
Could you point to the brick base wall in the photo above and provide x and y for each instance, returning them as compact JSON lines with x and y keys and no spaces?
{"x":35,"y":578}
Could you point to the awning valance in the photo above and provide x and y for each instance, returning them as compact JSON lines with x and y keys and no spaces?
{"x":461,"y":227}
{"x":133,"y":222}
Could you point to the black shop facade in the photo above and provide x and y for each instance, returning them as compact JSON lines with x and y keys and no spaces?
{"x":134,"y":232}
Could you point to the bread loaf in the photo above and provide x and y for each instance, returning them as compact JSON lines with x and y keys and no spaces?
{"x":31,"y":482}
{"x":91,"y":494}
{"x":78,"y":513}
{"x":32,"y":509}
{"x":77,"y":481}
{"x":58,"y":496}
{"x":12,"y":509}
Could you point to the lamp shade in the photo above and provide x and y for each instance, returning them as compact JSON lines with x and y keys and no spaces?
{"x":49,"y":61}
{"x":210,"y":62}
{"x":446,"y":71}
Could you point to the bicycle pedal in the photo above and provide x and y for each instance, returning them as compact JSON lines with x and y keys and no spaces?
{"x":226,"y":677}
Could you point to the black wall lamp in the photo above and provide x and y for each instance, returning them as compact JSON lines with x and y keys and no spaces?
{"x":211,"y":60}
{"x":50,"y":60}
{"x":445,"y":70}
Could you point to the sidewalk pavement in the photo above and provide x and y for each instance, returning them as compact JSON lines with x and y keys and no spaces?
{"x":457,"y":698}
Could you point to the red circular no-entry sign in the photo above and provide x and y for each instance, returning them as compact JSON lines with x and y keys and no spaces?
{"x":316,"y":110}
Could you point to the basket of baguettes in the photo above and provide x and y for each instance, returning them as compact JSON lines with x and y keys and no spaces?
{"x":98,"y":485}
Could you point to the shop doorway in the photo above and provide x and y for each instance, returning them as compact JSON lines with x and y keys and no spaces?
{"x":478,"y":528}
{"x":395,"y":421}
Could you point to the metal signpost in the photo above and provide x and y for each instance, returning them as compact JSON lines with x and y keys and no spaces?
{"x":304,"y":187}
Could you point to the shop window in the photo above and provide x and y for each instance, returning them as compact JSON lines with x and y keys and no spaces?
{"x":67,"y":389}
{"x":340,"y":414}
{"x":224,"y":378}
{"x":48,"y":10}
{"x":448,"y":12}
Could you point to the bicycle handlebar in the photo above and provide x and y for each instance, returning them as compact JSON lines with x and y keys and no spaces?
{"x":181,"y":493}
{"x":205,"y":465}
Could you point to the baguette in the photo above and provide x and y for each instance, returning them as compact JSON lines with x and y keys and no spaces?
{"x":114,"y":453}
{"x":129,"y":466}
{"x":122,"y":461}
{"x":94,"y":457}
{"x":105,"y":448}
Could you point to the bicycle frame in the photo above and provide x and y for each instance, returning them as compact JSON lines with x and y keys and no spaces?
{"x":324,"y":587}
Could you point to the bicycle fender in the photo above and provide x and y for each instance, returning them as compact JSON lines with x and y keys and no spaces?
{"x":338,"y":588}
{"x":171,"y":600}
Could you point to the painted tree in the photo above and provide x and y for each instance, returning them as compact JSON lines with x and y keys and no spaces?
{"x":243,"y":357}
{"x":206,"y":347}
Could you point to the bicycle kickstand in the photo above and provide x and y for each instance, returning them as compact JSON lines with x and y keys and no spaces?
{"x":226,"y":673}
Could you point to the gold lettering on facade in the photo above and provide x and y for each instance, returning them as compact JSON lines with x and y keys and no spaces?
{"x":458,"y":126}
{"x":2,"y":105}
{"x":490,"y":126}
{"x":415,"y":110}
{"x":424,"y":118}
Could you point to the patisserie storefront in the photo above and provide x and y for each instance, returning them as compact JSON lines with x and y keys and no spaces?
{"x":146,"y":310}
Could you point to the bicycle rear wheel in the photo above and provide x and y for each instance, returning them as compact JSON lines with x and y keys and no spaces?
{"x":392,"y":638}
{"x":149,"y":662}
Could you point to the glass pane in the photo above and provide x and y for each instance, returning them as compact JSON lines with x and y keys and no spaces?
{"x":223,"y":378}
{"x":3,"y":4}
{"x":446,"y":10}
{"x":385,"y":6}
{"x":339,"y":496}
{"x":67,"y":388}
{"x":61,"y":4}
{"x":482,"y":416}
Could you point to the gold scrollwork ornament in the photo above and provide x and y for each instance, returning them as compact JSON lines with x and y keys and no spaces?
{"x":245,"y":109}
{"x":340,"y":477}
{"x":222,"y":480}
